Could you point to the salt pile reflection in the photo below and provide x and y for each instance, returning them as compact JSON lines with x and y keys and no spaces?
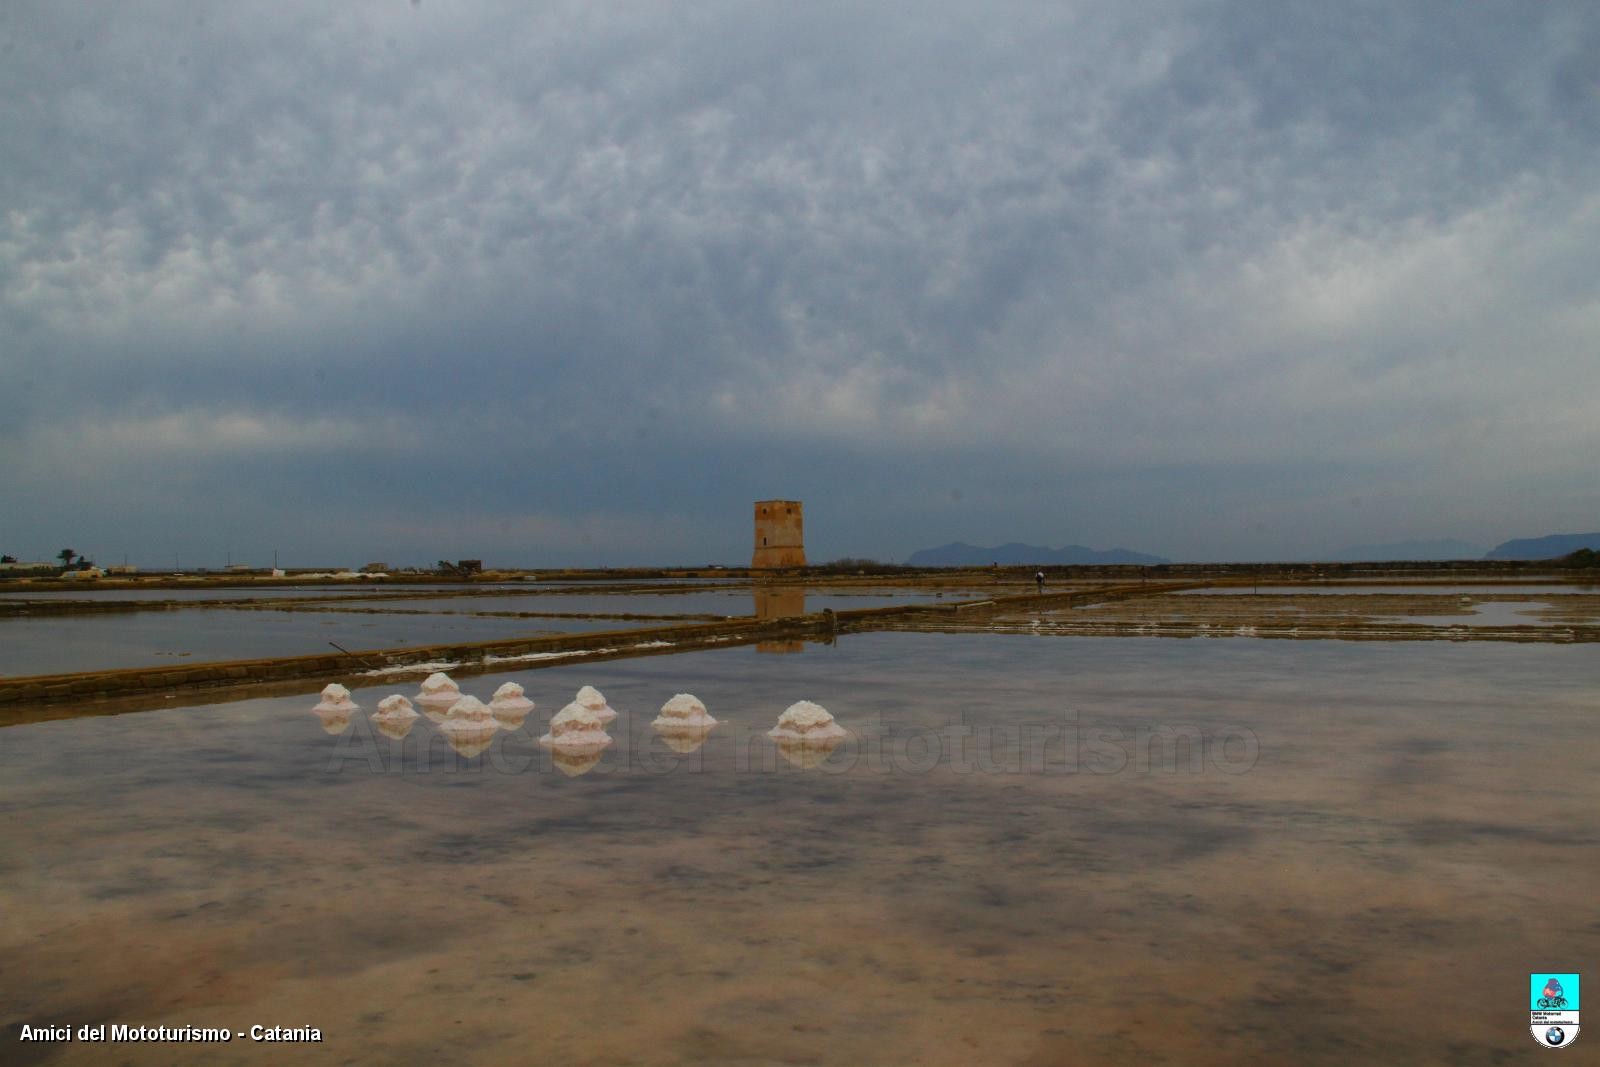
{"x":574,"y":762}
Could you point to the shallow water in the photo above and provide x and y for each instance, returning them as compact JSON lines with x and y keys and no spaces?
{"x":48,"y":644}
{"x":227,"y":592}
{"x":730,"y":602}
{"x":224,"y":593}
{"x":1458,"y":588}
{"x":69,"y":643}
{"x":351,"y":588}
{"x":1492,"y":613}
{"x":1378,"y":845}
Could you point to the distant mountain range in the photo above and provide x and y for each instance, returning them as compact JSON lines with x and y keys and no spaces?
{"x":1445,"y":548}
{"x":1551,"y":547}
{"x":958,"y":554}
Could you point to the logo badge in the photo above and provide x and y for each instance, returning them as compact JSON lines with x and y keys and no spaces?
{"x":1553,"y":1008}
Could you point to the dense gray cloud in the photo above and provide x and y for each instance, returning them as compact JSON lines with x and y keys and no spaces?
{"x":576,"y":283}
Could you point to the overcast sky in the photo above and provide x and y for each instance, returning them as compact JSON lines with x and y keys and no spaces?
{"x":575,"y":283}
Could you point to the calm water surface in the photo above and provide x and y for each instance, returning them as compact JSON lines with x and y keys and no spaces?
{"x":350,"y":589}
{"x":1375,"y":837}
{"x":1430,"y":589}
{"x":66,"y":643}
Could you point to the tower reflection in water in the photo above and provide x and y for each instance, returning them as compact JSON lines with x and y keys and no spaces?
{"x":780,"y":602}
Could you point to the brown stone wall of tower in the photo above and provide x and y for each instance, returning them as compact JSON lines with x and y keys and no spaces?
{"x":780,"y":534}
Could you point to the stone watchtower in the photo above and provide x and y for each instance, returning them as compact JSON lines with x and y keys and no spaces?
{"x":780,"y":535}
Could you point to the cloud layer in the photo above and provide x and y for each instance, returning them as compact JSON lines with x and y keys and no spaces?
{"x":576,"y":284}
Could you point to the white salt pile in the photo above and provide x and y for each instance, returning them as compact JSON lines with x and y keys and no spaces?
{"x":683,"y":710}
{"x":336,"y":697}
{"x":469,"y":710}
{"x":440,"y":689}
{"x":395,"y":717}
{"x":806,"y":722}
{"x":395,"y":707}
{"x":806,"y":734}
{"x":335,"y":708}
{"x":469,"y":727}
{"x":576,"y":727}
{"x":683,"y":723}
{"x":595,"y":701}
{"x":509,"y":706}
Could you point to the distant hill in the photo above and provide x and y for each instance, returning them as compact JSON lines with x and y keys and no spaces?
{"x":1544,"y":547}
{"x":1446,"y":548}
{"x":958,"y":554}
